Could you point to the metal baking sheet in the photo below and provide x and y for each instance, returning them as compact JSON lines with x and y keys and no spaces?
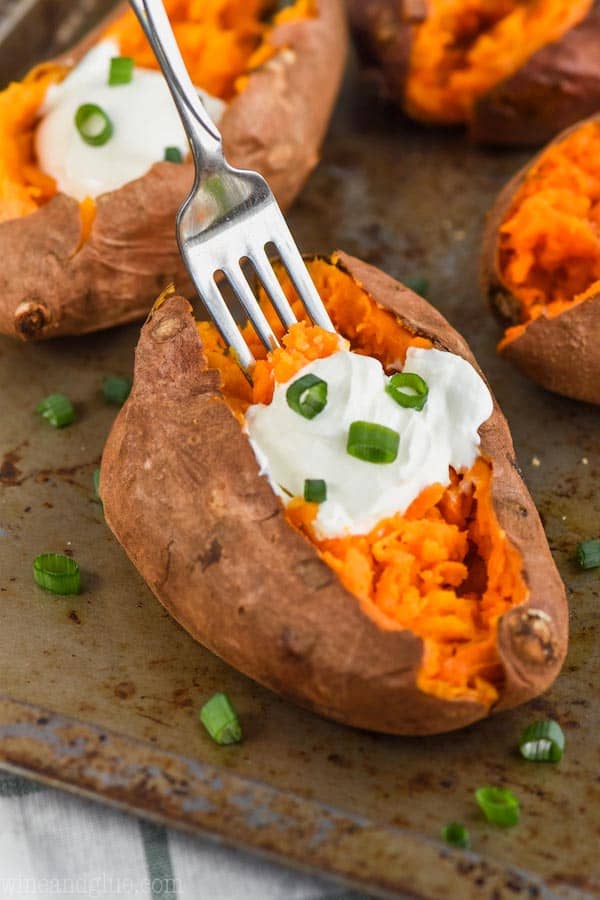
{"x":100,"y":691}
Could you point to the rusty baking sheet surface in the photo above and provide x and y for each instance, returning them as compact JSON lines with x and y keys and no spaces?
{"x":123,"y":682}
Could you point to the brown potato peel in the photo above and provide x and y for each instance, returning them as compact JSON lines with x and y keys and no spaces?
{"x":560,"y":352}
{"x":182,"y":492}
{"x":52,"y":283}
{"x":556,"y":86}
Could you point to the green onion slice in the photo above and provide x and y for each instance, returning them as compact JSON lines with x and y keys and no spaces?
{"x":121,"y":70}
{"x":93,"y":125}
{"x":588,"y":554}
{"x":173,"y":154}
{"x":419,"y":284}
{"x":57,"y":573}
{"x":408,"y":390}
{"x":315,"y":490}
{"x":307,"y":396}
{"x":498,"y":805}
{"x":543,"y":742}
{"x":372,"y":443}
{"x":57,"y":409}
{"x":456,"y":835}
{"x":220,"y":720}
{"x":116,"y":390}
{"x":96,"y":484}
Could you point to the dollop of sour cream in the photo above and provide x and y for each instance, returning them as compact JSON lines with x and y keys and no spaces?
{"x":291,"y":448}
{"x":144,"y":117}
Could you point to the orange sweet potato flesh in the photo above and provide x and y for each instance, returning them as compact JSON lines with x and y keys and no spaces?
{"x":514,"y":71}
{"x":247,"y":579}
{"x":541,"y":264}
{"x":70,"y":270}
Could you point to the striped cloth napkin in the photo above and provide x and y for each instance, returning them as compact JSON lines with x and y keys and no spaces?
{"x":54,"y":845}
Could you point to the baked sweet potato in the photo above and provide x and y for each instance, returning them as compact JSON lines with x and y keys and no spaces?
{"x":541,"y":264}
{"x":515,"y":72}
{"x":71,"y":267}
{"x":431,"y":621}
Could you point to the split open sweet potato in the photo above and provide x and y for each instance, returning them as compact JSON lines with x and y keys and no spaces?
{"x":516,"y":72}
{"x":541,"y":265}
{"x":438,"y":617}
{"x":70,"y":267}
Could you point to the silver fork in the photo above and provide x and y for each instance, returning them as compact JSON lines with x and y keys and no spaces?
{"x":229,"y":216}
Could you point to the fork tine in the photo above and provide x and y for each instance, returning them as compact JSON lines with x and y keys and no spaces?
{"x":246,"y":296}
{"x":292,"y":260}
{"x":264,"y":270}
{"x":215,"y":304}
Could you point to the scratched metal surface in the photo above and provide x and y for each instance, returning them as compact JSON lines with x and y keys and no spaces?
{"x":413,"y":203}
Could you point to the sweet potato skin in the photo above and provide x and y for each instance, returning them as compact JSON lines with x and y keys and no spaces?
{"x":52,"y":283}
{"x":556,"y":87}
{"x":559,"y":353}
{"x":383,"y":34}
{"x":182,"y":493}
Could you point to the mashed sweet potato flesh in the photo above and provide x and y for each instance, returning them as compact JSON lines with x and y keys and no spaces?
{"x":23,"y":187}
{"x":443,"y":569}
{"x":466,"y":47}
{"x":222,"y":41}
{"x":549,"y":247}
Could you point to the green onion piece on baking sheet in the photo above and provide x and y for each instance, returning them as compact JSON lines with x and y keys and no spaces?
{"x":96,"y":484}
{"x":57,"y":573}
{"x":116,"y":390}
{"x":498,"y":805}
{"x":220,"y":720}
{"x":408,"y":390}
{"x":93,"y":124}
{"x":57,"y":409}
{"x":315,"y":490}
{"x":307,"y":396}
{"x":456,"y":835}
{"x":419,"y":284}
{"x":173,"y":154}
{"x":543,"y":742}
{"x":588,"y":554}
{"x":372,"y":443}
{"x":121,"y":70}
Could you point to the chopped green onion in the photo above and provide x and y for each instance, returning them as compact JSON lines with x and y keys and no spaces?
{"x":121,"y":70}
{"x":499,"y":805}
{"x":588,"y":554}
{"x":220,"y":720}
{"x":456,"y":835}
{"x":57,"y":409}
{"x":116,"y":390}
{"x":93,"y":125}
{"x":408,"y":390}
{"x":315,"y":490}
{"x":419,"y":284}
{"x":173,"y":154}
{"x":307,"y":396}
{"x":543,"y":742}
{"x":372,"y":443}
{"x":96,"y":484}
{"x":57,"y":573}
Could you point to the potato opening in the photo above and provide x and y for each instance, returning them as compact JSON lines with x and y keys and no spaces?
{"x":466,"y":47}
{"x":222,"y":42}
{"x":549,"y":241}
{"x":444,"y":569}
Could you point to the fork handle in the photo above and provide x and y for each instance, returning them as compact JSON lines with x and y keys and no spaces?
{"x":203,"y":135}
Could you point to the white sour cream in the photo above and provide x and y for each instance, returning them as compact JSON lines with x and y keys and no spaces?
{"x":291,"y":448}
{"x":144,"y":119}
